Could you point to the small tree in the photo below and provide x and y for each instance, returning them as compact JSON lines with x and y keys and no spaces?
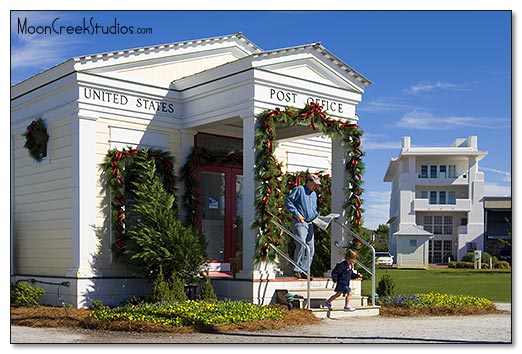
{"x":157,"y":240}
{"x":207,"y":291}
{"x":177,"y":289}
{"x":386,"y":286}
{"x":171,"y":290}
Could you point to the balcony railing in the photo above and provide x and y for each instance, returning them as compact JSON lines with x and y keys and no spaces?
{"x":424,"y":205}
{"x":458,"y":180}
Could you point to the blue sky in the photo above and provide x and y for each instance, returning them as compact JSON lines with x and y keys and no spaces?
{"x":437,"y":75}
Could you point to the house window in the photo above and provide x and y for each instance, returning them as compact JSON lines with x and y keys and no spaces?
{"x":442,"y":197}
{"x":452,"y":171}
{"x":424,"y":171}
{"x":442,"y":171}
{"x":424,"y":194}
{"x":413,"y":243}
{"x":428,"y":223}
{"x":448,"y":225}
{"x":451,"y":197}
{"x":433,"y":197}
{"x":437,"y":225}
{"x":433,"y":171}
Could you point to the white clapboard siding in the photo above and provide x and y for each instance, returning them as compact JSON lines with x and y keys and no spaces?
{"x":42,"y":200}
{"x":311,"y":153}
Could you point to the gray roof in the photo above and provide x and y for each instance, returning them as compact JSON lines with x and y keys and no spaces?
{"x":412,"y":230}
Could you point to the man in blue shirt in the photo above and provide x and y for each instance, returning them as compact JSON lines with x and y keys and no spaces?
{"x":302,"y":204}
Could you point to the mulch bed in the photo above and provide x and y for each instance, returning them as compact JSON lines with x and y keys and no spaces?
{"x":46,"y":316}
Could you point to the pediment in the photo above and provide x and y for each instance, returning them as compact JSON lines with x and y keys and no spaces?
{"x":160,"y":65}
{"x":314,"y":69}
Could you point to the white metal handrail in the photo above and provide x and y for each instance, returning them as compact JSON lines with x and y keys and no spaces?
{"x":286,"y":231}
{"x":372,"y":272}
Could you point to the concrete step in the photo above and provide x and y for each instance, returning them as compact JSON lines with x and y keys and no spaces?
{"x":363,"y":311}
{"x":318,"y":295}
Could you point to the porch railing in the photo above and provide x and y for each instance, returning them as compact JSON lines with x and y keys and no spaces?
{"x":372,"y":271}
{"x":289,"y":259}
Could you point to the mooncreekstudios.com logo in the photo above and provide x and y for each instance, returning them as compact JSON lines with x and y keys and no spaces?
{"x":87,"y":27}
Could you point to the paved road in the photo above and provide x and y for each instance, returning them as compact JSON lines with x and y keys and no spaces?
{"x":495,"y":328}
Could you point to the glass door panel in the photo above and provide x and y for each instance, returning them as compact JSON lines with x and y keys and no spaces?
{"x":213,"y":214}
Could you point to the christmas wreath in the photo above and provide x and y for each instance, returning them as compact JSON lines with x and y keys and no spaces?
{"x":36,"y":138}
{"x":268,"y":172}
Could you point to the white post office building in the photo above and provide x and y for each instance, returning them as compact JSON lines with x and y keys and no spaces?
{"x":173,"y":97}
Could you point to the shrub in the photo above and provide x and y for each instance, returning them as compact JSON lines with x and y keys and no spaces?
{"x":207,"y":291}
{"x":25,"y":295}
{"x":134,"y":300}
{"x":386,"y":286}
{"x":470,"y":257}
{"x":167,"y":290}
{"x":502,"y":265}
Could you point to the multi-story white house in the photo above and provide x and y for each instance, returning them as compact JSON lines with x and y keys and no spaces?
{"x":436,"y":203}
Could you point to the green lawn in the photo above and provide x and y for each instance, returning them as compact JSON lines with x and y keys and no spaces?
{"x":494,"y":285}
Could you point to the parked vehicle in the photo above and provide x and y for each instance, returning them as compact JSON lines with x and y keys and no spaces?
{"x":383,"y":259}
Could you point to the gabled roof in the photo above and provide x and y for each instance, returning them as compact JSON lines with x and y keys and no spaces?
{"x":71,"y":65}
{"x":319,"y":48}
{"x":246,"y":51}
{"x":413,"y":230}
{"x":256,"y":60}
{"x":164,"y":47}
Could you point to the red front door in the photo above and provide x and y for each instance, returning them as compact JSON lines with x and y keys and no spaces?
{"x":221,"y":211}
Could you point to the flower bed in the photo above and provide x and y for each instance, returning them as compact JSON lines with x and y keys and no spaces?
{"x":435,"y":304}
{"x":190,"y":313}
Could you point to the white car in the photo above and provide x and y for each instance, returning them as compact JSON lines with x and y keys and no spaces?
{"x":383,"y":259}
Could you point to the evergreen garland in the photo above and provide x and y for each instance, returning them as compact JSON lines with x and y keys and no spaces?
{"x":36,"y":139}
{"x":189,"y":174}
{"x":267,"y":170}
{"x":118,"y":172}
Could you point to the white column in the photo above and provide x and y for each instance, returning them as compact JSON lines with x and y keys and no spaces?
{"x":338,"y":198}
{"x":250,"y":270}
{"x":84,"y":192}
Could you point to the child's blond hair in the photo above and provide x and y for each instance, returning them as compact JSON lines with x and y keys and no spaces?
{"x":350,"y":255}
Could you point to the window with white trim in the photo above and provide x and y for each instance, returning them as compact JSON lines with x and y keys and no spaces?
{"x":433,"y":171}
{"x":439,"y":224}
{"x":424,"y":171}
{"x":439,"y":197}
{"x":452,"y":171}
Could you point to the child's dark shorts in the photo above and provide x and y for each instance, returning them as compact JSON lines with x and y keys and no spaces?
{"x":345,"y":289}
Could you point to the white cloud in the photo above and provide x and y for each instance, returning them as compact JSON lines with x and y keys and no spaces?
{"x":429,"y":86}
{"x":39,"y":51}
{"x":496,"y":190}
{"x":427,"y":121}
{"x":376,"y":142}
{"x":382,"y":105}
{"x":506,"y":174}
